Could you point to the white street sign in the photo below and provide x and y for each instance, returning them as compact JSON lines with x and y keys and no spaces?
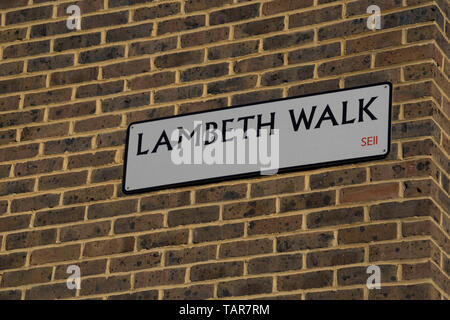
{"x":324,"y":129}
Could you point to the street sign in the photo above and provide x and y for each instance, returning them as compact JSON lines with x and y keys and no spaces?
{"x":325,"y":129}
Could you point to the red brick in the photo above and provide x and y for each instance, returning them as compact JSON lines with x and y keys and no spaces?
{"x":212,"y":104}
{"x":233,"y":50}
{"x":74,"y":76}
{"x":98,"y":123}
{"x":315,"y":16}
{"x":112,"y":209}
{"x":141,"y":295}
{"x":199,"y":292}
{"x":234,"y":14}
{"x":335,"y":217}
{"x":307,"y":201}
{"x":317,"y":279}
{"x":392,"y":75}
{"x":16,"y":187}
{"x":103,"y":89}
{"x":129,"y":33}
{"x":244,"y":287}
{"x":181,"y":24}
{"x":159,"y":278}
{"x":30,"y":239}
{"x":9,"y":4}
{"x":178,"y":93}
{"x":137,"y":224}
{"x":151,"y":113}
{"x":347,"y":65}
{"x":288,"y":40}
{"x":19,"y":118}
{"x":256,"y":96}
{"x":245,"y":248}
{"x":206,"y":72}
{"x":12,"y":260}
{"x":26,"y":49}
{"x":152,"y":46}
{"x":278,"y":6}
{"x":73,"y":110}
{"x":150,"y":81}
{"x":411,"y":208}
{"x":14,"y":222}
{"x":50,"y":291}
{"x":423,"y":291}
{"x":11,"y":295}
{"x":46,"y":131}
{"x":108,"y":247}
{"x":415,"y":168}
{"x":199,"y":5}
{"x":383,"y":191}
{"x":401,"y":250}
{"x":190,"y":255}
{"x":211,"y":271}
{"x":233,"y":84}
{"x":78,"y":41}
{"x":26,"y":277}
{"x":9,"y":103}
{"x":85,"y":231}
{"x":22,"y":84}
{"x":162,"y":239}
{"x":88,"y":194}
{"x":274,"y":78}
{"x":351,"y":294}
{"x":221,"y":193}
{"x":368,"y":233}
{"x":275,"y":225}
{"x":27,"y":15}
{"x":11,"y":68}
{"x":179,"y":59}
{"x":216,"y":233}
{"x":159,"y":11}
{"x":204,"y":37}
{"x":59,"y":216}
{"x":272,"y":264}
{"x":35,"y":203}
{"x":91,"y":159}
{"x":305,"y":241}
{"x":271,"y":187}
{"x":48,"y":97}
{"x":104,"y":20}
{"x":50,"y":63}
{"x":259,"y":63}
{"x":249,"y":209}
{"x":403,"y":55}
{"x":334,"y":257}
{"x":192,"y":216}
{"x":126,"y":68}
{"x":258,"y":27}
{"x":105,"y":285}
{"x":56,"y":254}
{"x":12,"y":35}
{"x":136,"y":262}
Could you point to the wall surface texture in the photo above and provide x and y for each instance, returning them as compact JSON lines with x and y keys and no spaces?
{"x":67,"y":97}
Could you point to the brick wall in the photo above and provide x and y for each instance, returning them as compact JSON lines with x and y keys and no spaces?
{"x":67,"y":97}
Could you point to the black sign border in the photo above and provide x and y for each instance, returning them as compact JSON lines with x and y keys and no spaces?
{"x":257,"y":173}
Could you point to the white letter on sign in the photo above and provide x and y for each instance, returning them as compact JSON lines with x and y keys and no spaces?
{"x":74,"y":21}
{"x":374,"y":21}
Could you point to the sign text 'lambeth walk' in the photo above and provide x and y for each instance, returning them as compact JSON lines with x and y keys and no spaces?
{"x":290,"y":134}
